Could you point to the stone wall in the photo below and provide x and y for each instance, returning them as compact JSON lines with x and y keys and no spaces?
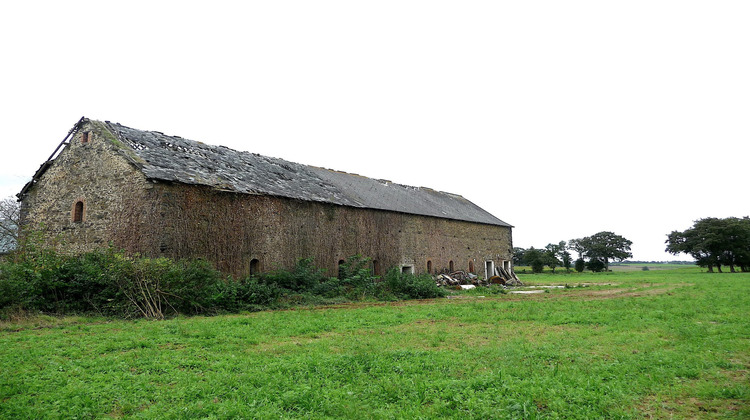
{"x":90,"y":172}
{"x":233,"y":229}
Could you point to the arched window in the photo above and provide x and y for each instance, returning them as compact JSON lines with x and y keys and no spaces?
{"x":85,"y":137}
{"x":429,"y":267}
{"x":450,"y":266}
{"x":471,"y":266}
{"x":78,"y":212}
{"x":254,"y":267}
{"x":376,"y":267}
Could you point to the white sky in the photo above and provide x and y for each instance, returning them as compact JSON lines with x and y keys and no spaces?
{"x":563,"y":118}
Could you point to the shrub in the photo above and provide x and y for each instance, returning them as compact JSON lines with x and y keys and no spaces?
{"x":580,"y":265}
{"x":254,"y":293}
{"x":110,"y":283}
{"x":355,"y":281}
{"x":305,"y":276}
{"x":410,"y":286}
{"x":596,"y":265}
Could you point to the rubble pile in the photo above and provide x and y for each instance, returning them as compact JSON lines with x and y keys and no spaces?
{"x":460,"y":278}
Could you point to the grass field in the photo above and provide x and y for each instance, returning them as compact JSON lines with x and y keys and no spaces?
{"x":653,"y":344}
{"x":627,"y":266}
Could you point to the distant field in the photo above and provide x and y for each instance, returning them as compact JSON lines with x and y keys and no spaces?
{"x":616,"y":267}
{"x":651,"y":266}
{"x":638,"y":344}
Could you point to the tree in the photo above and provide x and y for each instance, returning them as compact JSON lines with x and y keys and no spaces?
{"x":551,"y":252}
{"x":713,"y":242}
{"x":604,"y":246}
{"x":566,"y":259}
{"x":577,"y":246}
{"x":564,"y":255}
{"x":736,"y":243}
{"x":535,"y":258}
{"x":518,"y":254}
{"x":10,"y":218}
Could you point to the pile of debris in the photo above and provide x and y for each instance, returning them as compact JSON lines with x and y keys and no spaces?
{"x":460,"y":278}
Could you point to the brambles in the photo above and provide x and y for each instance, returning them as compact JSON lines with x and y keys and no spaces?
{"x":111,"y":283}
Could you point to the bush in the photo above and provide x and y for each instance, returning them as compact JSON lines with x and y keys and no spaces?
{"x":110,"y":283}
{"x":355,"y":281}
{"x":304,"y":277}
{"x":247,"y":295}
{"x":596,"y":265}
{"x":410,"y":286}
{"x":580,"y":265}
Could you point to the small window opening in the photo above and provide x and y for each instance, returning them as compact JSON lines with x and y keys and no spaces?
{"x":407,"y":269}
{"x":254,"y":267}
{"x":450,"y":266}
{"x":471,"y":266}
{"x":85,"y":137}
{"x":429,"y":267}
{"x":342,"y":269}
{"x":78,"y":212}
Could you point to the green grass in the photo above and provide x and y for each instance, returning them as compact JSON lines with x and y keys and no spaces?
{"x":655,"y":344}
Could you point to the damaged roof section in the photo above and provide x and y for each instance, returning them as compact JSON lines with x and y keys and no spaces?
{"x":172,"y":158}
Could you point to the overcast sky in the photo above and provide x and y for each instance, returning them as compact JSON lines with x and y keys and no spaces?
{"x":562,"y":118}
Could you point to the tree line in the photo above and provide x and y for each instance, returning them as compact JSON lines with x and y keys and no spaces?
{"x":714,"y":242}
{"x":594,"y":253}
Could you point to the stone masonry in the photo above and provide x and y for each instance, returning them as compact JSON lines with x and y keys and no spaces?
{"x":125,"y":208}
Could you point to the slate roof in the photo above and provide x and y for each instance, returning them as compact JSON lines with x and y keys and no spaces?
{"x":172,"y":158}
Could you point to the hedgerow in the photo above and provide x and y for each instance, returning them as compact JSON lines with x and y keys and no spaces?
{"x":110,"y":283}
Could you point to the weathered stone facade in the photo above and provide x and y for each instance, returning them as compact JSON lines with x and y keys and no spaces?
{"x":238,"y":232}
{"x":91,"y":173}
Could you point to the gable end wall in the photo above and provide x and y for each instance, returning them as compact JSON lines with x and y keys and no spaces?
{"x":94,"y":173}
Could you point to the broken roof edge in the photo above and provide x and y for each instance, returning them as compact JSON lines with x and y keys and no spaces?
{"x":47,"y":163}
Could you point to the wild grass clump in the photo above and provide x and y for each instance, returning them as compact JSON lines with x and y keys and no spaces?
{"x":110,"y":283}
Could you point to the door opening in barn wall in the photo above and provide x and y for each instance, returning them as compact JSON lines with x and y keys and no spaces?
{"x":254,"y":267}
{"x":489,"y":269}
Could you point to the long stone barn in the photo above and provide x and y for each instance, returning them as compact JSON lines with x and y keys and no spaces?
{"x":157,"y":195}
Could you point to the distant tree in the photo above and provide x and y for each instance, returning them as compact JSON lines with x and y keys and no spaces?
{"x":736,"y":243}
{"x":604,"y":246}
{"x":535,"y":258}
{"x":742,"y":245}
{"x":580,"y":265}
{"x":518,"y":254}
{"x":550,"y":256}
{"x":564,"y":255}
{"x":713,"y":242}
{"x":577,"y":246}
{"x":10,"y":218}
